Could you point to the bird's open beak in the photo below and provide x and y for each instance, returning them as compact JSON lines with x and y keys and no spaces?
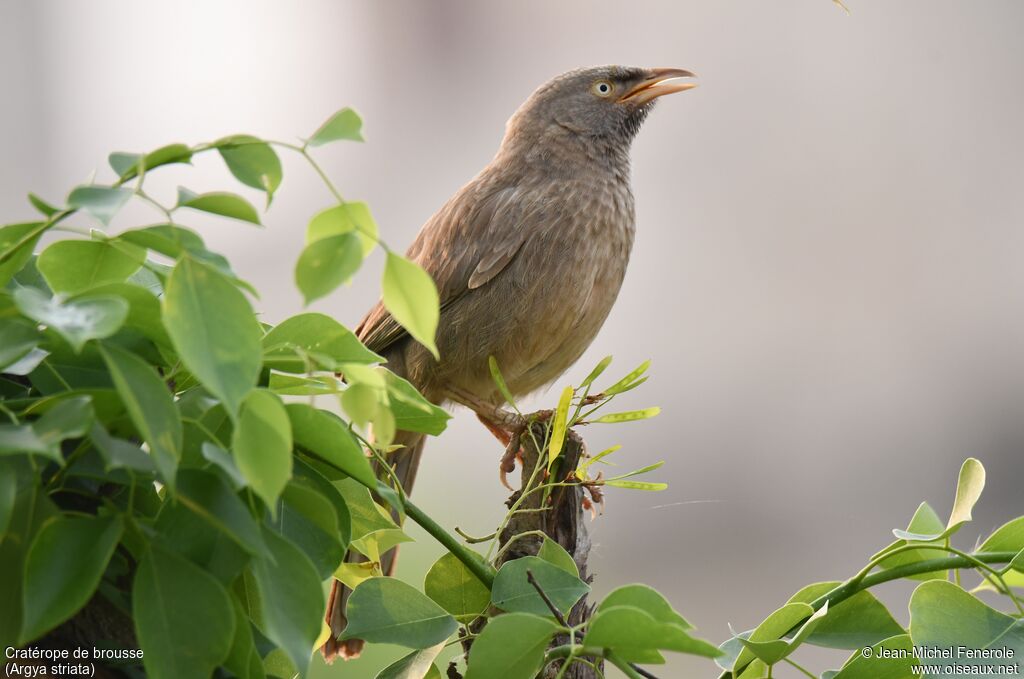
{"x":659,"y":81}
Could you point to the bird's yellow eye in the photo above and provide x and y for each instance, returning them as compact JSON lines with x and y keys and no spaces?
{"x":602,"y":88}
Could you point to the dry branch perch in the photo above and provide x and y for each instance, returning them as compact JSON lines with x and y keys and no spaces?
{"x":564,"y":521}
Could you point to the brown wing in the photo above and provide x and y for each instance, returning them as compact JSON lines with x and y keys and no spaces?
{"x":464,"y":246}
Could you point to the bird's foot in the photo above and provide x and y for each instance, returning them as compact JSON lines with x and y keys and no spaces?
{"x":596,"y":498}
{"x":513,"y":451}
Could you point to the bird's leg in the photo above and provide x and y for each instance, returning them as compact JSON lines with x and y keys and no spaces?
{"x":485,"y":410}
{"x":502,"y":435}
{"x":513,"y":451}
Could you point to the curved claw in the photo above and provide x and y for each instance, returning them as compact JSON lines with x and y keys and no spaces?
{"x":508,"y":459}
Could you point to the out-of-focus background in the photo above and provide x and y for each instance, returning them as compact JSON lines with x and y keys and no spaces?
{"x":828,"y":269}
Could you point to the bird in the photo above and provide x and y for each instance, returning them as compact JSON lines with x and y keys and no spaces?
{"x":528,"y":258}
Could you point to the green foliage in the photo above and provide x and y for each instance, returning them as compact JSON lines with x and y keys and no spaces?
{"x":943,"y":615}
{"x":514,"y":593}
{"x":166,"y":454}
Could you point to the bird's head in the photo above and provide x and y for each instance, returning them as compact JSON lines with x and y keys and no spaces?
{"x":608,"y":102}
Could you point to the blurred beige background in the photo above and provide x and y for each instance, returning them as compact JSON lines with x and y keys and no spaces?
{"x":827,"y":273}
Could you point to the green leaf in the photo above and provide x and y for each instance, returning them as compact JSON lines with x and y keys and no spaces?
{"x":367,"y":516}
{"x":8,"y":492}
{"x":252,"y":161}
{"x":511,"y":646}
{"x":416,"y":665}
{"x":636,"y":636}
{"x":119,"y":453}
{"x":183,"y":616}
{"x":456,"y":589}
{"x":150,"y":405}
{"x":772,"y":651}
{"x":77,"y":321}
{"x":968,"y":490}
{"x":126,"y":165}
{"x":122,"y":162}
{"x":291,"y":600}
{"x":554,"y":553}
{"x":499,"y":381}
{"x":327,"y":263}
{"x":924,"y":522}
{"x":386,"y":610}
{"x":361,"y":403}
{"x":630,"y":416}
{"x":647,"y":599}
{"x":17,"y":338}
{"x":637,"y":485}
{"x":173,"y":241}
{"x":944,"y":616}
{"x":55,"y":586}
{"x":222,"y":459}
{"x":71,"y":266}
{"x":207,"y":496}
{"x":318,"y":336}
{"x":214,"y":331}
{"x":32,"y":508}
{"x":772,"y":629}
{"x":859,"y":621}
{"x":345,"y":218}
{"x":68,"y":419}
{"x":102,"y":202}
{"x":262,"y":445}
{"x":410,"y":295}
{"x":307,"y":519}
{"x":220,"y":203}
{"x":512,"y":591}
{"x":44,"y":207}
{"x":144,"y":313}
{"x":345,"y":124}
{"x":243,"y":660}
{"x":1008,"y":538}
{"x":327,"y":437}
{"x":295,"y":385}
{"x":411,"y":410}
{"x":201,"y":539}
{"x":16,"y":244}
{"x":311,"y":478}
{"x":894,"y":662}
{"x":629,"y":381}
{"x":596,"y":372}
{"x":559,"y":425}
{"x":637,"y":472}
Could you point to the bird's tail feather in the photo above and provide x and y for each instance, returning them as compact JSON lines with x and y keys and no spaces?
{"x":405,"y":461}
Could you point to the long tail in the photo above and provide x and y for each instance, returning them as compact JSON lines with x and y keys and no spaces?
{"x":405,"y":461}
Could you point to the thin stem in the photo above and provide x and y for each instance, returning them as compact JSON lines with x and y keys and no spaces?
{"x":852,"y":586}
{"x":861,"y":581}
{"x":474,"y":540}
{"x":515,"y":506}
{"x":625,"y":667}
{"x":517,"y":536}
{"x":52,"y":221}
{"x":565,"y":666}
{"x":482,"y":570}
{"x":548,"y":602}
{"x":568,"y":650}
{"x":801,"y":668}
